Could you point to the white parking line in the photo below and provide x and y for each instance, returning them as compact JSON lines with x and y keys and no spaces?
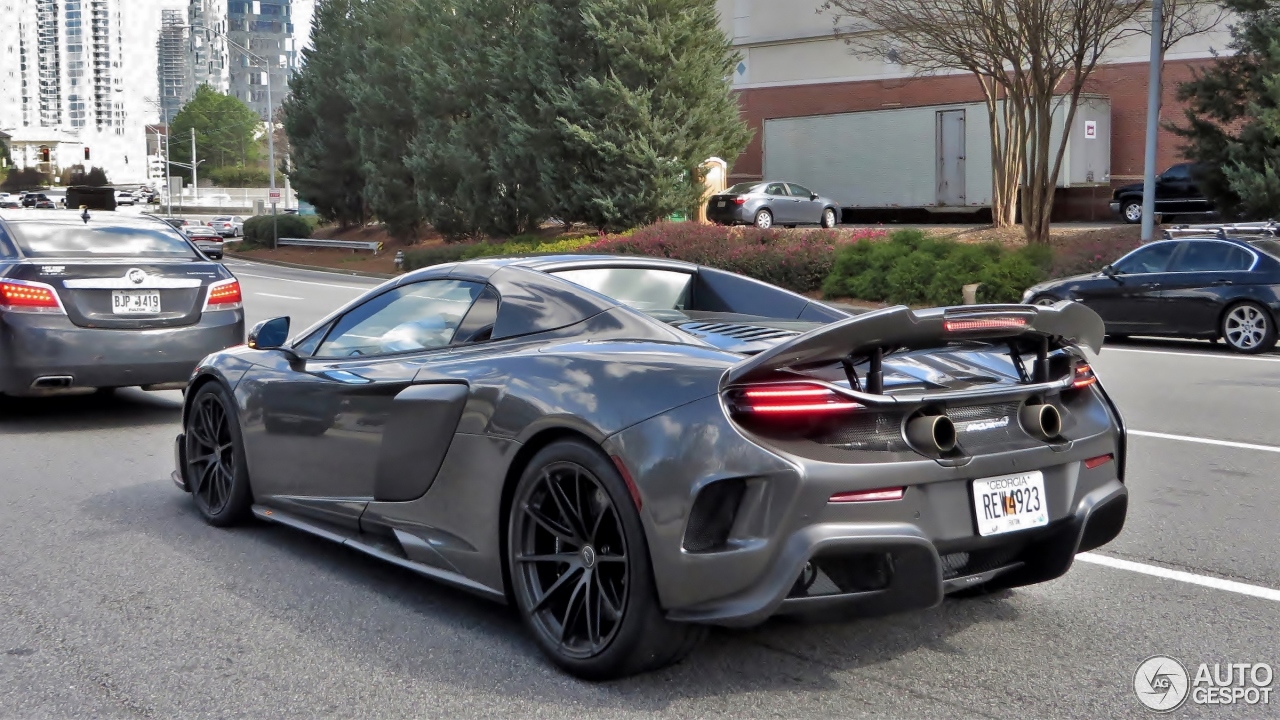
{"x":1175,"y":353}
{"x":306,"y":282}
{"x":1206,"y":441}
{"x":282,"y":297}
{"x":1240,"y":588}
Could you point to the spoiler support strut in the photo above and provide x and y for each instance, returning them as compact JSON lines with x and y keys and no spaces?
{"x":875,"y":373}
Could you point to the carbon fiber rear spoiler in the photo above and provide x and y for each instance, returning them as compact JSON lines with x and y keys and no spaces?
{"x":1067,"y":323}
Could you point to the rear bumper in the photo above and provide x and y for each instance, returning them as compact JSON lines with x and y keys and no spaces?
{"x":729,"y":215}
{"x":33,"y":346}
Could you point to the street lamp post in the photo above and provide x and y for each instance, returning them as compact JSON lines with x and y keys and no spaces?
{"x":271,"y":124}
{"x":1153,"y":122}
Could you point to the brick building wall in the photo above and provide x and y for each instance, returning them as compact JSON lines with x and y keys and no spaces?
{"x":1124,"y":84}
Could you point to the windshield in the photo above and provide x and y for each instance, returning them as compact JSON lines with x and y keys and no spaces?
{"x":742,"y":188}
{"x":63,"y":240}
{"x":640,"y":288}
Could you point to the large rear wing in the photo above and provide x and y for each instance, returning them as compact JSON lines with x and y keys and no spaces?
{"x":896,"y":328}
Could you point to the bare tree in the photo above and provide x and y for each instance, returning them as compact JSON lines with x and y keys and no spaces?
{"x":1031,"y":57}
{"x":1184,"y":19}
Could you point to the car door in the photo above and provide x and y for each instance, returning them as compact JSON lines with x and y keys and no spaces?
{"x":1174,"y":190}
{"x":315,"y":436}
{"x":780,"y":203}
{"x":1203,"y":277}
{"x":808,"y":210}
{"x":1128,"y":300}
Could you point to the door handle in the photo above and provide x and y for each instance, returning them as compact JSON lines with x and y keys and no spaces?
{"x":1150,"y":285}
{"x":1220,"y":283}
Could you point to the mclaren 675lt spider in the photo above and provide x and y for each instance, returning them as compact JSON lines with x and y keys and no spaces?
{"x":629,"y":450}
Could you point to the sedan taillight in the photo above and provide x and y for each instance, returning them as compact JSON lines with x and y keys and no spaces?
{"x":29,"y":297}
{"x":224,"y":295}
{"x":739,"y":201}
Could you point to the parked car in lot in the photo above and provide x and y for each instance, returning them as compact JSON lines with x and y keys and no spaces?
{"x":206,"y":238}
{"x":631,"y":449}
{"x":108,"y":301}
{"x":228,"y":226}
{"x":765,"y":204}
{"x":1177,"y":193}
{"x":1198,"y":283}
{"x":31,"y":200}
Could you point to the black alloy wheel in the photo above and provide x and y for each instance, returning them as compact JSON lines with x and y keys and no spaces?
{"x":580,"y":569}
{"x":215,"y":467}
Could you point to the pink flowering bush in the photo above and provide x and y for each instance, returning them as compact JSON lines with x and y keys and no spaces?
{"x":798,"y":260}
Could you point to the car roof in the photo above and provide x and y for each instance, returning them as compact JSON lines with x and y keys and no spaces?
{"x":554,"y":263}
{"x":71,"y":217}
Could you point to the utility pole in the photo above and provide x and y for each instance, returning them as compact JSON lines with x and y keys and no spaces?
{"x":1153,"y":121}
{"x":195,"y":184}
{"x":271,"y":159}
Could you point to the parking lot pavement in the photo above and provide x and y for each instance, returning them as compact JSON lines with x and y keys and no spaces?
{"x":117,"y":601}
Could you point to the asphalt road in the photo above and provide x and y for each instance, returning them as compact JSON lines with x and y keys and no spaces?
{"x":117,"y":601}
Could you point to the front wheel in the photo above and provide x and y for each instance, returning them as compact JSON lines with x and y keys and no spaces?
{"x":1249,"y":328}
{"x":829,"y":218}
{"x":1044,"y":300}
{"x":1132,"y":211}
{"x":764,"y":220}
{"x":580,"y":568}
{"x":215,"y":469}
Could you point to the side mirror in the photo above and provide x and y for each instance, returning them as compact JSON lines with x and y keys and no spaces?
{"x":813,"y":196}
{"x":269,"y":334}
{"x":1110,"y":271}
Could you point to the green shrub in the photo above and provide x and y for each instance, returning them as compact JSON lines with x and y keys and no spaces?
{"x":454,"y":252}
{"x":239,"y":176}
{"x":258,"y":229}
{"x":914,"y":269}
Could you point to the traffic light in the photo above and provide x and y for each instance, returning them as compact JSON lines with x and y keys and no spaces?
{"x":86,"y":154}
{"x":44,"y":154}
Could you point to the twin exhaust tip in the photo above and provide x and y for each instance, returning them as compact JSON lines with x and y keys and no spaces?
{"x":936,"y":434}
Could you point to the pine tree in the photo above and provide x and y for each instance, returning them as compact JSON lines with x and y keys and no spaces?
{"x":325,"y":167}
{"x":643,"y":100}
{"x":1233,"y":116}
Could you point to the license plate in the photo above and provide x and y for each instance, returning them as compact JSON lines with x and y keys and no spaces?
{"x":135,"y":302}
{"x":1010,"y":502}
{"x":720,"y":204}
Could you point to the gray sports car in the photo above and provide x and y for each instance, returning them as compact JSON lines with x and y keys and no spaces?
{"x":765,"y":204}
{"x":631,"y":449}
{"x":97,"y":300}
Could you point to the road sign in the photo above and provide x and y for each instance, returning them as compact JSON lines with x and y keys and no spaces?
{"x":274,"y":196}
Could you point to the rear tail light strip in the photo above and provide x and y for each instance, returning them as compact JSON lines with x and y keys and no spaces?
{"x":863,"y":496}
{"x":789,"y":399}
{"x":224,"y":295}
{"x":29,"y":297}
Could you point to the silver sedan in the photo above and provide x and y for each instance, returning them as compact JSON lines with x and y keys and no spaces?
{"x":765,"y":204}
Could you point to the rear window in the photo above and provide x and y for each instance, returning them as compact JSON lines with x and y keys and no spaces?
{"x":640,"y":288}
{"x":1270,"y":247}
{"x":743,"y":188}
{"x":65,"y":240}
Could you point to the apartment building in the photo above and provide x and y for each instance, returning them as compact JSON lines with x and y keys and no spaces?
{"x":264,"y":28}
{"x":207,"y":59}
{"x":62,"y":87}
{"x":172,"y":74}
{"x":815,"y":105}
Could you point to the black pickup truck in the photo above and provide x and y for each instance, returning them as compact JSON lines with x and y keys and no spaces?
{"x":1177,"y":193}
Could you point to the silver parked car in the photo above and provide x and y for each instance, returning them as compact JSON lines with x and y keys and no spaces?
{"x":765,"y":204}
{"x":102,"y":300}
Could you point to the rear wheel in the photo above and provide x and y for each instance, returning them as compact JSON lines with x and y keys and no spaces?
{"x":1132,"y":211}
{"x":215,"y":467}
{"x":764,"y":219}
{"x":1248,"y":328}
{"x":1044,"y":300}
{"x":580,"y":569}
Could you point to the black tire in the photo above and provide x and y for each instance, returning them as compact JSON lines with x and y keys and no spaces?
{"x":1131,"y":211}
{"x":215,"y":468}
{"x":1248,"y":328}
{"x":567,"y":486}
{"x":830,"y":218}
{"x":763,"y":219}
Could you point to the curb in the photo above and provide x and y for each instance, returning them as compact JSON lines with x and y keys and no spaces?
{"x":315,"y":268}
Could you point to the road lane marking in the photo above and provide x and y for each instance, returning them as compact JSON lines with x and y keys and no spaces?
{"x":1206,"y":441}
{"x":1215,"y":356}
{"x":282,"y":297}
{"x":1240,"y":588}
{"x":307,"y":282}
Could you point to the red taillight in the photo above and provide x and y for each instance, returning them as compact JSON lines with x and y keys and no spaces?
{"x":23,"y":296}
{"x":1099,"y":461}
{"x":1083,"y":378}
{"x":224,"y":295}
{"x":790,"y":399}
{"x":862,"y":496}
{"x":739,"y":201}
{"x":986,"y":323}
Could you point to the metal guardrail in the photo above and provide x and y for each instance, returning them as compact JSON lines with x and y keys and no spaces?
{"x":376,"y":247}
